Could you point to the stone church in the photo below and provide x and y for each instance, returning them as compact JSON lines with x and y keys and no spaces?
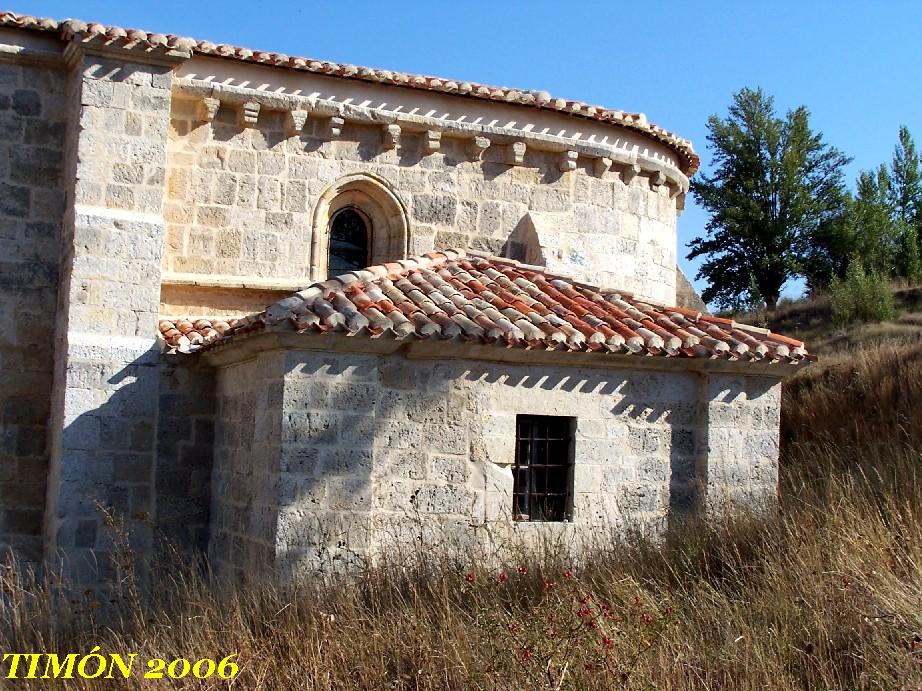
{"x":470,"y":333}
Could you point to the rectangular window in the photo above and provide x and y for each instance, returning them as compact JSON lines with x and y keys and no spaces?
{"x":543,"y":471}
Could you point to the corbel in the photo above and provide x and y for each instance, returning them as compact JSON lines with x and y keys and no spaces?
{"x":432,"y":141}
{"x":629,"y":172}
{"x":335,"y":127}
{"x":295,"y":121}
{"x":515,"y":153}
{"x":476,"y":147}
{"x":567,"y":161}
{"x":391,"y":136}
{"x":248,"y":114}
{"x":601,"y":166}
{"x":207,"y":108}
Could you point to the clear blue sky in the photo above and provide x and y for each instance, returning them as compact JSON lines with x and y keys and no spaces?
{"x":855,"y":65}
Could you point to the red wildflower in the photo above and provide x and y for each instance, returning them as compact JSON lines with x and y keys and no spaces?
{"x":469,"y":577}
{"x":526,"y":654}
{"x":584,"y":612}
{"x":523,"y":570}
{"x":548,"y":585}
{"x":585,"y":599}
{"x":513,"y":627}
{"x":646,"y":618}
{"x":607,"y":642}
{"x":502,"y":578}
{"x":568,"y":574}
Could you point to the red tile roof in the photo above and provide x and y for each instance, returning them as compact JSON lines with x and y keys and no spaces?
{"x":119,"y":36}
{"x":470,"y":296}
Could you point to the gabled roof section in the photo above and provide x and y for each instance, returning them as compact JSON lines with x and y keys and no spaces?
{"x":117,"y":36}
{"x":475,"y":297}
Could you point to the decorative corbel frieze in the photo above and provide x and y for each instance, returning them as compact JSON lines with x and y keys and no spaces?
{"x":476,"y":147}
{"x":567,"y":161}
{"x":657,"y":180}
{"x":629,"y":172}
{"x":601,"y":166}
{"x":248,"y":114}
{"x":432,"y":141}
{"x":391,"y":136}
{"x":515,"y":154}
{"x":208,"y":108}
{"x":335,"y":127}
{"x":295,"y":121}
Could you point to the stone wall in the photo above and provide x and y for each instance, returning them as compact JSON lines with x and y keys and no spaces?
{"x":107,"y":371}
{"x":245,"y":487}
{"x":32,"y":131}
{"x":743,"y":419}
{"x":241,"y":201}
{"x":367,"y":451}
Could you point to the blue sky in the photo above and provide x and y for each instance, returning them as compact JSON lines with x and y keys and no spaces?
{"x":855,"y":65}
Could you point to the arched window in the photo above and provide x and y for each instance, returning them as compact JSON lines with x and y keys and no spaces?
{"x":358,"y":222}
{"x":350,"y":240}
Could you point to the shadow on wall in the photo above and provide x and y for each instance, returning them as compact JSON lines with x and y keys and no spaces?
{"x":145,"y":454}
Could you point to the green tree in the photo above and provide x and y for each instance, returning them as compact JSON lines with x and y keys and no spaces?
{"x":872,"y":233}
{"x":906,"y":201}
{"x":776,"y":185}
{"x":905,"y":192}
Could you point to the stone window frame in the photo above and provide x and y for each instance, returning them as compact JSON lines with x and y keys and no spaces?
{"x":372,"y":197}
{"x":565,"y":439}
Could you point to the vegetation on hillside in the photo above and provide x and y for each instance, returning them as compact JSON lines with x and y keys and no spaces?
{"x":779,"y":210}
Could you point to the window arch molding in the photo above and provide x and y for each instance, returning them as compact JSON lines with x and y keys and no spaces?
{"x":372,"y":197}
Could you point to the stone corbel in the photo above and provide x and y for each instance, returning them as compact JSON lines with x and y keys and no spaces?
{"x":476,"y":147}
{"x":567,"y":161}
{"x":657,"y":180}
{"x":432,"y":141}
{"x":629,"y":172}
{"x":391,"y":136}
{"x":295,"y":121}
{"x":208,"y":108}
{"x":335,"y":127}
{"x":515,"y":154}
{"x":248,"y":114}
{"x":601,"y":166}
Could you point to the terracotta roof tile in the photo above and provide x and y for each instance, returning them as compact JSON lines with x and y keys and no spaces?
{"x":476,"y":297}
{"x":70,"y":28}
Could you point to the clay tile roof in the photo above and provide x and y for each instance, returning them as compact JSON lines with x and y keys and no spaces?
{"x":476,"y":297}
{"x":73,"y":28}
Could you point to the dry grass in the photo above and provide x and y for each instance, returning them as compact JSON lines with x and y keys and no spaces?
{"x":824,"y":593}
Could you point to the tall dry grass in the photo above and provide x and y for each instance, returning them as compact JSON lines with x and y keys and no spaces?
{"x":823,"y":593}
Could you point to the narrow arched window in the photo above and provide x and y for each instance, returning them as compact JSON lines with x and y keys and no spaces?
{"x":350,"y":240}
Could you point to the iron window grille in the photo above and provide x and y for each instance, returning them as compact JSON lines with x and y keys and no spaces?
{"x":543,"y":471}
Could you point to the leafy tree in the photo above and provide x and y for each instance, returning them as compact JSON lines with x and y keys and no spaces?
{"x":776,"y":185}
{"x":905,"y":193}
{"x":906,"y":200}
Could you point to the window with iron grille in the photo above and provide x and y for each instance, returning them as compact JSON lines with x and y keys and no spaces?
{"x":543,"y":472}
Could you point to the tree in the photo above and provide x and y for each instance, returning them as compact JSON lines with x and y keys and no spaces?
{"x":906,"y":200}
{"x":776,"y":185}
{"x":905,"y":192}
{"x":867,"y":232}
